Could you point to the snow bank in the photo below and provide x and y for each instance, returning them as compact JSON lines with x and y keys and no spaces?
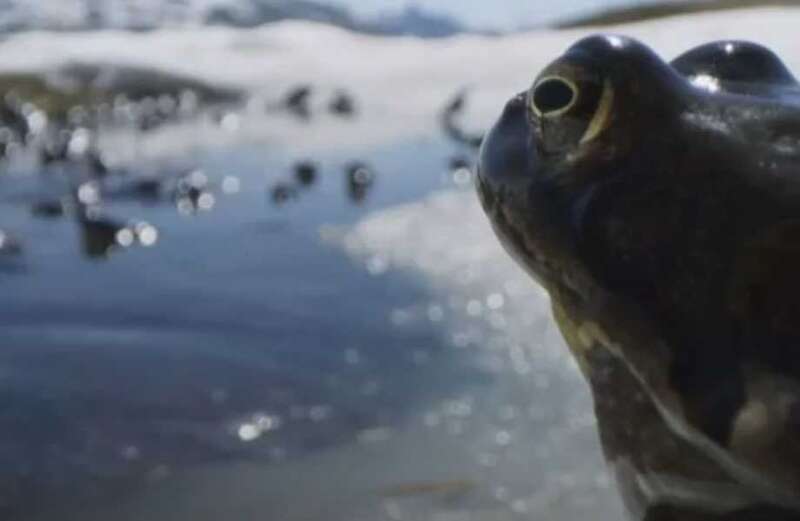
{"x":395,"y":77}
{"x":400,"y":83}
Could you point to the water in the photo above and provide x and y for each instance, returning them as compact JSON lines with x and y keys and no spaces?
{"x":238,"y":336}
{"x":276,"y":350}
{"x":253,"y":354}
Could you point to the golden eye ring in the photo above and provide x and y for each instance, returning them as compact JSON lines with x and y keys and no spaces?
{"x":553,"y":96}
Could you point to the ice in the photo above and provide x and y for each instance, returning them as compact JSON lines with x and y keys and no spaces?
{"x":532,"y":429}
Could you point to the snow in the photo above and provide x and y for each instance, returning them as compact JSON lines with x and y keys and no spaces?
{"x":556,"y":470}
{"x":401,"y":82}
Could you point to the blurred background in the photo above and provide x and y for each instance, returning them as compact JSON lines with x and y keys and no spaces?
{"x":243,"y":273}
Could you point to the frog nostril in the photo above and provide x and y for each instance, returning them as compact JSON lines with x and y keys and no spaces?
{"x":552,"y":96}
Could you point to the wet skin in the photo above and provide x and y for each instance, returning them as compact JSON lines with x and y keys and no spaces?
{"x":659,"y":205}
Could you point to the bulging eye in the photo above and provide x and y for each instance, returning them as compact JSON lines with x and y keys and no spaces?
{"x":552,"y":96}
{"x":570,"y":109}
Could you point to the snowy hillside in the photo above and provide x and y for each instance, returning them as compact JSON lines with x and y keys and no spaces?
{"x":18,"y":15}
{"x":401,"y":83}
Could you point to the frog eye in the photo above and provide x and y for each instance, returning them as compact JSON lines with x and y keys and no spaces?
{"x":570,"y":111}
{"x":553,"y":96}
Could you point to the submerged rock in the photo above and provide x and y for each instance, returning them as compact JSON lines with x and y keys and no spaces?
{"x":146,"y":189}
{"x":48,"y":209}
{"x":281,"y":193}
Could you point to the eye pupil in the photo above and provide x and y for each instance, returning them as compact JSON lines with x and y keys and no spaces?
{"x":552,"y":95}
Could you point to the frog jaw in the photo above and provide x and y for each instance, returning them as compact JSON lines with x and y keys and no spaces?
{"x":652,"y":467}
{"x":646,"y":359}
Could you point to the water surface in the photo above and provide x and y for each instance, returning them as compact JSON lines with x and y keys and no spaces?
{"x":238,"y":336}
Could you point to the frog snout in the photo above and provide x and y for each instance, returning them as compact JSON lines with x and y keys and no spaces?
{"x":508,"y":155}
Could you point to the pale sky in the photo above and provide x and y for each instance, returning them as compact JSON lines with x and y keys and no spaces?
{"x":504,"y":14}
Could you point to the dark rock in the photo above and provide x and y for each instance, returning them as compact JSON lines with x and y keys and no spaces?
{"x":100,"y":235}
{"x":97,"y":167}
{"x":12,"y":118}
{"x":306,"y":173}
{"x":342,"y":104}
{"x":48,"y":209}
{"x":297,"y":101}
{"x":146,"y":188}
{"x":452,"y":127}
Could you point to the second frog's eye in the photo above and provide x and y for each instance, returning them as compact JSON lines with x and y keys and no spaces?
{"x":570,"y":110}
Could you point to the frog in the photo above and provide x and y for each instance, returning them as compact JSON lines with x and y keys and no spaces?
{"x":658,"y":204}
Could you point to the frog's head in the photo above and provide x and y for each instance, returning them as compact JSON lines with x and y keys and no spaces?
{"x":653,"y":200}
{"x":592,"y":119}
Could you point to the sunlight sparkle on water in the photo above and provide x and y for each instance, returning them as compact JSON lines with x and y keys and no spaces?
{"x":259,"y":425}
{"x":206,"y":201}
{"x":147,"y":233}
{"x":125,"y":237}
{"x":89,"y":193}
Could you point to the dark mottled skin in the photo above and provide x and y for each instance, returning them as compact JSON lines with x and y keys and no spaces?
{"x":673,"y":230}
